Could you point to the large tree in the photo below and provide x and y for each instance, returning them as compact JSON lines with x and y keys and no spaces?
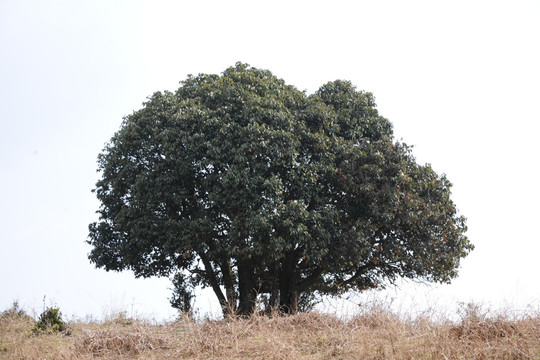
{"x":242,"y":183}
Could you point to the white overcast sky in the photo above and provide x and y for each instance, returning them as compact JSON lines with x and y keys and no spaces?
{"x":460,"y":80}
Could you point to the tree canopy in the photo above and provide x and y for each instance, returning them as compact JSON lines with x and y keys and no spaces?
{"x":244,"y":184}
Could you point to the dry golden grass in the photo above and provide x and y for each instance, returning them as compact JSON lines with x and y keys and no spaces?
{"x":376,"y":333}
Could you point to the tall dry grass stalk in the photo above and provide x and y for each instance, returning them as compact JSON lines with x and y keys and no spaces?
{"x":375,"y":333}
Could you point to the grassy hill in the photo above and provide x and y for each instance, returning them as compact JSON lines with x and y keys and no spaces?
{"x":376,"y":333}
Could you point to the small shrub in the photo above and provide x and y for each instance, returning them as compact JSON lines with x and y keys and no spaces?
{"x":120,"y":318}
{"x":50,"y":321}
{"x":15,"y":313}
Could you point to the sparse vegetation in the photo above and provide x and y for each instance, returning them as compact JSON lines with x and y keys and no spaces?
{"x":14,"y":312}
{"x":374,"y":333}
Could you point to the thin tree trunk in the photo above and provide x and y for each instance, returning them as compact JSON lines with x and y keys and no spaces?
{"x":228,"y":282}
{"x":211,"y":276}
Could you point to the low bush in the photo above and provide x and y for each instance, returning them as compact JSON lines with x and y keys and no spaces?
{"x":49,"y":321}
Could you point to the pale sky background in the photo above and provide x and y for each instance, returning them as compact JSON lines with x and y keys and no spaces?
{"x":460,"y":80}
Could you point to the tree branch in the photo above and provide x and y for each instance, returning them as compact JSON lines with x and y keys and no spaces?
{"x":306,"y":282}
{"x":359,"y":272}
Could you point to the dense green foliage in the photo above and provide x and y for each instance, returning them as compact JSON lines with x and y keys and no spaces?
{"x":243,"y":183}
{"x":50,"y":320}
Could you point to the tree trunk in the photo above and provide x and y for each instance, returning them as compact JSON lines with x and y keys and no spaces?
{"x":246,"y":288}
{"x":288,"y":292}
{"x":273,"y":303}
{"x":228,"y":282}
